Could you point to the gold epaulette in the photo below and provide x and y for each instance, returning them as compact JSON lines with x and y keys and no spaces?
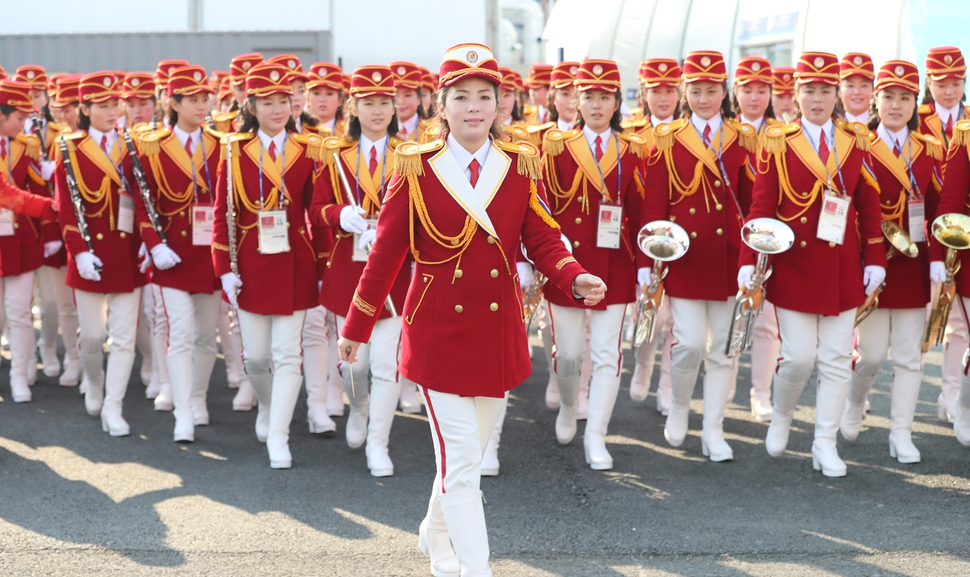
{"x":150,"y":143}
{"x":961,"y":133}
{"x":235,"y":138}
{"x":859,"y":130}
{"x":217,"y":134}
{"x":224,"y":120}
{"x":747,"y":135}
{"x":775,"y":122}
{"x":536,"y":130}
{"x":432,"y":133}
{"x":331,"y":146}
{"x":528,"y":157}
{"x":320,"y":129}
{"x":516,"y":133}
{"x":407,"y":157}
{"x":776,"y":137}
{"x":635,"y":124}
{"x":554,"y":142}
{"x":68,"y":137}
{"x":925,"y":109}
{"x":638,"y":144}
{"x":313,"y":144}
{"x":934,"y":148}
{"x":393,"y":142}
{"x":663,"y":134}
{"x":31,"y":144}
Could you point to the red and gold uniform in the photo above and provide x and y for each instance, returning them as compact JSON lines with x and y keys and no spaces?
{"x":783,"y":93}
{"x":538,"y":83}
{"x":654,"y":72}
{"x":162,"y":73}
{"x":327,"y":76}
{"x":817,"y":285}
{"x":407,"y":76}
{"x":855,"y":66}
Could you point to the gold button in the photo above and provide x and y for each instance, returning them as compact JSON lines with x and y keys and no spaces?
{"x":720,"y":231}
{"x":184,"y":234}
{"x":181,"y":213}
{"x":16,"y":225}
{"x":491,"y":240}
{"x":286,"y":202}
{"x":579,"y":220}
{"x":123,"y":235}
{"x":494,"y":273}
{"x":693,"y":211}
{"x":454,"y":242}
{"x":425,"y":279}
{"x":287,"y":225}
{"x":493,"y":307}
{"x":693,"y":235}
{"x":719,"y":207}
{"x":717,"y":183}
{"x":832,"y":244}
{"x":803,"y":220}
{"x":673,"y":218}
{"x":803,"y":244}
{"x":99,"y":236}
{"x":575,"y":244}
{"x":458,"y":274}
{"x":459,"y":308}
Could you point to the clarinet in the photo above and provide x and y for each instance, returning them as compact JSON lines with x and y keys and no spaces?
{"x":146,"y":194}
{"x":38,"y":129}
{"x":231,"y":210}
{"x":76,"y":202}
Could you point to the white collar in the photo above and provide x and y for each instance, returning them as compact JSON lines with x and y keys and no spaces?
{"x":410,"y":125}
{"x":464,"y":157}
{"x":892,"y":138}
{"x":97,"y":134}
{"x":813,"y":130}
{"x":699,"y":123}
{"x":365,"y":144}
{"x":563,"y":125}
{"x":863,"y":118}
{"x":756,"y":123}
{"x":183,"y":136}
{"x":299,"y":125}
{"x":279,"y":139}
{"x":654,"y":121}
{"x":508,"y":121}
{"x":591,"y":137}
{"x":946,"y":113}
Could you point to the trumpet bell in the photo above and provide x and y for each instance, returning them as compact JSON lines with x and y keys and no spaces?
{"x":767,"y":235}
{"x":899,"y":240}
{"x":663,"y":240}
{"x":952,"y":230}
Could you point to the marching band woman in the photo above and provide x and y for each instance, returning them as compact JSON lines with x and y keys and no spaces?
{"x":906,"y":165}
{"x":783,"y":93}
{"x":695,"y":178}
{"x":326,"y":96}
{"x":856,"y":75}
{"x":366,"y":155}
{"x":271,"y":180}
{"x":593,"y":177}
{"x":461,"y":205}
{"x":305,"y":122}
{"x":407,"y":84}
{"x":813,"y":176}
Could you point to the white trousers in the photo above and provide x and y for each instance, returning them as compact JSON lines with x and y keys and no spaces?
{"x":898,"y":329}
{"x":765,"y":345}
{"x":271,"y":346}
{"x":701,"y":332}
{"x":379,"y":356}
{"x":569,"y":340}
{"x":808,"y":340}
{"x":192,"y":320}
{"x":57,"y":309}
{"x":113,"y":315}
{"x":17,"y":295}
{"x":159,"y":335}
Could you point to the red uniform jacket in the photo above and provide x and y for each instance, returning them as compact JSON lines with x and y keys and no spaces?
{"x":931,"y":125}
{"x":100,"y":185}
{"x":815,"y":276}
{"x":686,"y":184}
{"x":955,"y":196}
{"x":22,"y":202}
{"x":573,"y":186}
{"x":907,"y":279}
{"x":273,"y":284}
{"x":329,"y":198}
{"x":22,"y":251}
{"x":50,"y":230}
{"x":170,"y":174}
{"x":464,"y":331}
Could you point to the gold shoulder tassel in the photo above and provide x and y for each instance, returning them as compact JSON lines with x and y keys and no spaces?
{"x":775,"y":142}
{"x":529,"y":165}
{"x":407,"y":160}
{"x":537,"y":207}
{"x":553,"y":143}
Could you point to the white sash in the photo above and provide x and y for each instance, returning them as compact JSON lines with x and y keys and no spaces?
{"x":476,"y":200}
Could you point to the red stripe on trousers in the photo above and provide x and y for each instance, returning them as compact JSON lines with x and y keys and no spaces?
{"x":437,"y":431}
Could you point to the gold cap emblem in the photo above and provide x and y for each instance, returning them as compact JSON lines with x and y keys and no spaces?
{"x":376,"y":76}
{"x":819,"y":61}
{"x":274,"y":75}
{"x":662,"y":67}
{"x":899,"y":71}
{"x":705,"y":61}
{"x":597,"y":70}
{"x":857,"y":60}
{"x":756,"y":66}
{"x":472,"y":56}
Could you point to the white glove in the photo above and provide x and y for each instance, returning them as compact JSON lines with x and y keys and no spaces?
{"x":231,"y":286}
{"x":47,"y":169}
{"x":644,"y":276}
{"x":937,"y":271}
{"x":87,"y":265}
{"x":51,"y":248}
{"x":164,"y":257}
{"x":351,"y":219}
{"x":872,"y":277}
{"x":367,"y":237}
{"x":527,"y":276}
{"x":744,"y":275}
{"x":146,"y":259}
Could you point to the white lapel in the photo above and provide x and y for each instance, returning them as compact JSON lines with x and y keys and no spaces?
{"x":476,"y":200}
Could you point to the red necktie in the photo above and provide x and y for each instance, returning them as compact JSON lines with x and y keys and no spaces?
{"x":949,"y":127}
{"x":3,"y":148}
{"x":823,"y":147}
{"x":473,"y":166}
{"x":599,"y":148}
{"x":896,"y":148}
{"x":272,"y":150}
{"x":104,"y":143}
{"x":188,"y":147}
{"x":707,"y":134}
{"x":373,"y":160}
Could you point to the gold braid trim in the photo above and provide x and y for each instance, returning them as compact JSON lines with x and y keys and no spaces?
{"x":93,"y":197}
{"x":458,"y":243}
{"x":564,"y":262}
{"x":676,"y":184}
{"x":407,"y":160}
{"x":165,"y":189}
{"x":637,"y":143}
{"x":747,"y":135}
{"x":803,"y":200}
{"x":31,"y":144}
{"x":775,"y":141}
{"x":150,"y":143}
{"x":363,"y":306}
{"x":870,"y":179}
{"x":537,"y":207}
{"x":934,"y":148}
{"x":894,"y":211}
{"x":640,"y":187}
{"x":330,"y":146}
{"x":861,"y":132}
{"x":554,"y":187}
{"x":961,"y":133}
{"x":313,"y":144}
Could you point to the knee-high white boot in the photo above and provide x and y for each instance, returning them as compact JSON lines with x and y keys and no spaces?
{"x":286,"y":390}
{"x":356,"y":391}
{"x":602,"y":397}
{"x":384,"y":396}
{"x":315,"y":376}
{"x":682,"y":384}
{"x":21,"y":355}
{"x":961,"y":424}
{"x":490,"y":463}
{"x":663,"y":385}
{"x":552,"y":387}
{"x":433,"y":539}
{"x":717,"y":383}
{"x":180,"y":372}
{"x":643,"y":371}
{"x":786,"y":399}
{"x":905,"y":396}
{"x":262,"y":386}
{"x":567,"y":380}
{"x":465,"y":517}
{"x":115,"y":385}
{"x":201,"y":375}
{"x":829,"y":405}
{"x":855,"y":405}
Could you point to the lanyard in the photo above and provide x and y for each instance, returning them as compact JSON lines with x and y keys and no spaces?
{"x":282,"y":174}
{"x":835,"y":151}
{"x":205,"y":164}
{"x":124,"y":181}
{"x":619,"y":168}
{"x":917,"y":194}
{"x":9,"y":168}
{"x":360,"y":200}
{"x":719,"y":154}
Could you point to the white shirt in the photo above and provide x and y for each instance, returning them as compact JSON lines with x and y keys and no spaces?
{"x":299,"y":125}
{"x":863,"y":118}
{"x":507,"y":121}
{"x":542,"y":112}
{"x":755,"y":123}
{"x":813,"y":131}
{"x":946,"y":113}
{"x":893,"y":138}
{"x":699,"y":123}
{"x":409,"y":125}
{"x":279,"y":139}
{"x":465,"y":158}
{"x":365,"y":145}
{"x":184,"y":136}
{"x":563,"y":125}
{"x":591,"y":138}
{"x":654,"y":121}
{"x":97,"y":134}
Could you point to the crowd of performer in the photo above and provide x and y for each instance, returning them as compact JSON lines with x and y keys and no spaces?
{"x":386,"y":236}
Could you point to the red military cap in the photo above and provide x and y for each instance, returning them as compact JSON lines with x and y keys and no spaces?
{"x":164,"y":69}
{"x":704,"y":65}
{"x":138,"y":85}
{"x":563,"y":74}
{"x":945,"y":62}
{"x":99,"y":87}
{"x":427,"y":82}
{"x":468,"y":61}
{"x":32,"y":74}
{"x":783,"y":80}
{"x":752,"y":69}
{"x":817,"y":67}
{"x":188,"y":80}
{"x":266,"y":79}
{"x":372,"y":80}
{"x":225,"y":90}
{"x":856,"y":64}
{"x":3,"y":73}
{"x":898,"y":74}
{"x":511,"y":80}
{"x":345,"y":83}
{"x":239,"y":66}
{"x":325,"y":74}
{"x":540,"y":75}
{"x":435,"y":78}
{"x":595,"y":74}
{"x":66,"y":92}
{"x":16,"y":94}
{"x":215,"y":78}
{"x":292,"y":63}
{"x":406,"y":75}
{"x":656,"y":72}
{"x":52,"y":83}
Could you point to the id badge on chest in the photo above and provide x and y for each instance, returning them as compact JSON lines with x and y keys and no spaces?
{"x":832,"y":221}
{"x":202,"y":217}
{"x":273,"y":236}
{"x":917,"y":218}
{"x":609,"y":225}
{"x":360,"y":254}
{"x":126,"y":213}
{"x":6,"y":222}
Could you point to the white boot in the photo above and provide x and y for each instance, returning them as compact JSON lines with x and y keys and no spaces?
{"x":262,"y":387}
{"x":465,"y":517}
{"x":664,"y":394}
{"x":681,"y":390}
{"x":202,"y":364}
{"x":143,"y":339}
{"x":490,"y":464}
{"x":855,"y":405}
{"x":602,"y":397}
{"x":230,"y":350}
{"x":286,"y":390}
{"x":954,"y":360}
{"x":409,"y":397}
{"x":552,"y":387}
{"x":48,"y":358}
{"x":356,"y":391}
{"x":568,"y":387}
{"x":961,"y":424}
{"x":829,"y":404}
{"x":72,"y":364}
{"x":154,"y":385}
{"x":115,"y":385}
{"x":585,"y":376}
{"x":383,"y":400}
{"x":21,"y":357}
{"x":433,"y":540}
{"x":643,"y":371}
{"x":180,"y":371}
{"x":32,"y":366}
{"x":245,"y":398}
{"x":786,"y":399}
{"x":315,"y":376}
{"x":335,"y":386}
{"x":905,"y":396}
{"x":717,"y":383}
{"x":764,"y":358}
{"x":163,"y":401}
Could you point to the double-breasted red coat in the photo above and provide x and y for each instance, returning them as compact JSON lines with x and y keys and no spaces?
{"x":100,"y":186}
{"x":955,"y":197}
{"x":23,"y":202}
{"x":464,"y":330}
{"x":23,"y":251}
{"x":273,"y":284}
{"x":178,"y":184}
{"x":816,"y":276}
{"x":50,"y":231}
{"x":575,"y":192}
{"x":931,"y":124}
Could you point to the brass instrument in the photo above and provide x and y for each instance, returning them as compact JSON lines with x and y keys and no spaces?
{"x":532,"y":298}
{"x":899,"y":243}
{"x":766,"y":236}
{"x":953,"y":231}
{"x":664,"y":242}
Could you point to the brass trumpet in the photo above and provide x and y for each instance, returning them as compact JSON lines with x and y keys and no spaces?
{"x":953,"y":231}
{"x":663,"y":241}
{"x":532,"y":298}
{"x":899,"y":243}
{"x":766,"y":236}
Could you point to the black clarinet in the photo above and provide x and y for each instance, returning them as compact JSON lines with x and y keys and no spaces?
{"x":39,"y":131}
{"x":76,"y":202}
{"x":146,"y":194}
